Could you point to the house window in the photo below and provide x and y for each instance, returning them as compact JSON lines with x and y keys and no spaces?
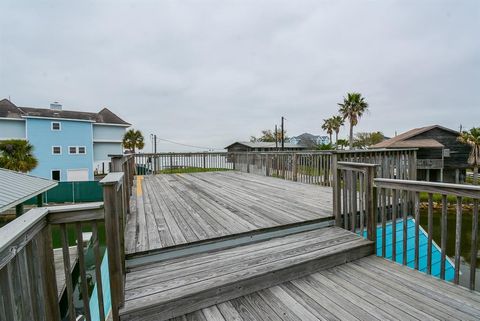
{"x":56,"y":125}
{"x":446,"y":152}
{"x":56,"y":175}
{"x":72,"y":150}
{"x":56,"y":150}
{"x":82,"y":150}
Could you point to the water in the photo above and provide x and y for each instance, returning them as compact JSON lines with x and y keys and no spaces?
{"x":466,"y":240}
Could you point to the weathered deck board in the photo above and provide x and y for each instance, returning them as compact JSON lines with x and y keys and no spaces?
{"x":175,"y":209}
{"x":174,"y":286}
{"x":359,"y":290}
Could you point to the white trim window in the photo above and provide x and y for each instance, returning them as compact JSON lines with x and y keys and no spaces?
{"x":56,"y":150}
{"x":56,"y":126}
{"x":72,"y":150}
{"x":82,"y":150}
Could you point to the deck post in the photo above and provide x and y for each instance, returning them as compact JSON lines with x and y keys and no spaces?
{"x":294,"y":167}
{"x":371,"y":204}
{"x":248,"y":164}
{"x":52,"y":310}
{"x":336,"y":187}
{"x":112,"y":194}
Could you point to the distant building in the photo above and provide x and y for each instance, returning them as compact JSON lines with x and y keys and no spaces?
{"x":440,"y":156}
{"x":69,"y":145}
{"x":262,"y":147}
{"x":309,"y":140}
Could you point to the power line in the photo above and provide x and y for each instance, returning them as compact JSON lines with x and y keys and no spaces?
{"x":187,"y":145}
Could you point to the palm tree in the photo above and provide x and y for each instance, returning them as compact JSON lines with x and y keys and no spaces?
{"x":133,"y":139}
{"x":17,"y":155}
{"x":337,"y":123}
{"x":328,"y":127}
{"x":353,"y":108}
{"x":472,"y":138}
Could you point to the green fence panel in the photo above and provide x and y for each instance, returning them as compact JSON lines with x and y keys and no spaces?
{"x":72,"y":192}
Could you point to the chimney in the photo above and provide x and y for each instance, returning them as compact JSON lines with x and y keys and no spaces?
{"x":56,"y":106}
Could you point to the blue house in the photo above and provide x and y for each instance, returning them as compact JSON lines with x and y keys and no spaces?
{"x":69,"y":145}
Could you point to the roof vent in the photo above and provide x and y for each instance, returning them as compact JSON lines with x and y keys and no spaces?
{"x":56,"y":106}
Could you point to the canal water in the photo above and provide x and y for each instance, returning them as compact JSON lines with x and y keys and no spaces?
{"x":466,"y":240}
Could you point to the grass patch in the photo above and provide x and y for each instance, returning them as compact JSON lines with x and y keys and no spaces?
{"x":186,"y":170}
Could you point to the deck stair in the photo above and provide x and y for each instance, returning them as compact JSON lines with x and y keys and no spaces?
{"x":170,"y":288}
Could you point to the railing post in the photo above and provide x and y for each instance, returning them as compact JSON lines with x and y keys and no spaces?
{"x":52,"y":311}
{"x":371,"y":204}
{"x":113,"y":211}
{"x":294,"y":167}
{"x":336,"y":186}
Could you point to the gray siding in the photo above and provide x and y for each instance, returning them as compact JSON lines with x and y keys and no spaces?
{"x":102,"y":150}
{"x":110,"y":133}
{"x":12,"y":129}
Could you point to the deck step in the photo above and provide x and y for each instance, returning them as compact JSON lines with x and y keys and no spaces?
{"x":163,"y":290}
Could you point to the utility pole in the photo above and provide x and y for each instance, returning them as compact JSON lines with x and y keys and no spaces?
{"x":155,"y":144}
{"x":283,"y":135}
{"x":276,"y":138}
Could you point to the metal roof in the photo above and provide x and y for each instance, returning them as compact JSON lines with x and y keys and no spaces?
{"x":390,"y":143}
{"x":16,"y":188}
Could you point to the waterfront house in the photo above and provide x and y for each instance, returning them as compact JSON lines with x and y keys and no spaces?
{"x":309,"y":140}
{"x":69,"y":145}
{"x":440,"y":157}
{"x":262,"y":147}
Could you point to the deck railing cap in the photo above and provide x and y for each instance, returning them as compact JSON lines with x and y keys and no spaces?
{"x":425,"y":183}
{"x":112,"y":178}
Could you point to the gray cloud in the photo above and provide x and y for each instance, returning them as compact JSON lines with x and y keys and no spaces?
{"x":210,"y":72}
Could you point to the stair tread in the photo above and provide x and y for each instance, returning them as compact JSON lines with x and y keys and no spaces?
{"x":168,"y":281}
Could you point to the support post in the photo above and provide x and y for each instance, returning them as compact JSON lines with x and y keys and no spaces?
{"x":52,"y":310}
{"x":113,"y":246}
{"x":294,"y":167}
{"x":40,"y":200}
{"x":336,"y":186}
{"x":19,"y":210}
{"x":371,"y":204}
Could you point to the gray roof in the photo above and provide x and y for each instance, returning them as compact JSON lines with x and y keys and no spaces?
{"x":16,"y":188}
{"x":105,"y":116}
{"x":266,"y":145}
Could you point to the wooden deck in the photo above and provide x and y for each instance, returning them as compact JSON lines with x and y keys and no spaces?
{"x":169,"y":210}
{"x":366,"y":289}
{"x":169,"y":288}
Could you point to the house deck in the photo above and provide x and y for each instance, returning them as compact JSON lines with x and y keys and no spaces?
{"x":169,"y":210}
{"x":370,"y":288}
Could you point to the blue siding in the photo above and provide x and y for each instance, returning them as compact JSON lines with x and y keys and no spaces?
{"x":12,"y":129}
{"x":72,"y":133}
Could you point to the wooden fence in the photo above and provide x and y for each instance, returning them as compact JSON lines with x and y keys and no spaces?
{"x":311,"y":167}
{"x":363,"y":201}
{"x":28,"y":285}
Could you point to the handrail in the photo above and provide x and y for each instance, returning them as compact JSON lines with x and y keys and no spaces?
{"x":27,"y":255}
{"x":460,"y":190}
{"x":401,"y":198}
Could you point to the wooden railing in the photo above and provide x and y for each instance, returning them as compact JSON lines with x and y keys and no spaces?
{"x":311,"y":167}
{"x":401,"y":199}
{"x":354,"y":198}
{"x":361,"y":201}
{"x":28,"y":286}
{"x":167,"y":162}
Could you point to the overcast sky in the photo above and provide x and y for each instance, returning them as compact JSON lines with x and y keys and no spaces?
{"x":207,"y":73}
